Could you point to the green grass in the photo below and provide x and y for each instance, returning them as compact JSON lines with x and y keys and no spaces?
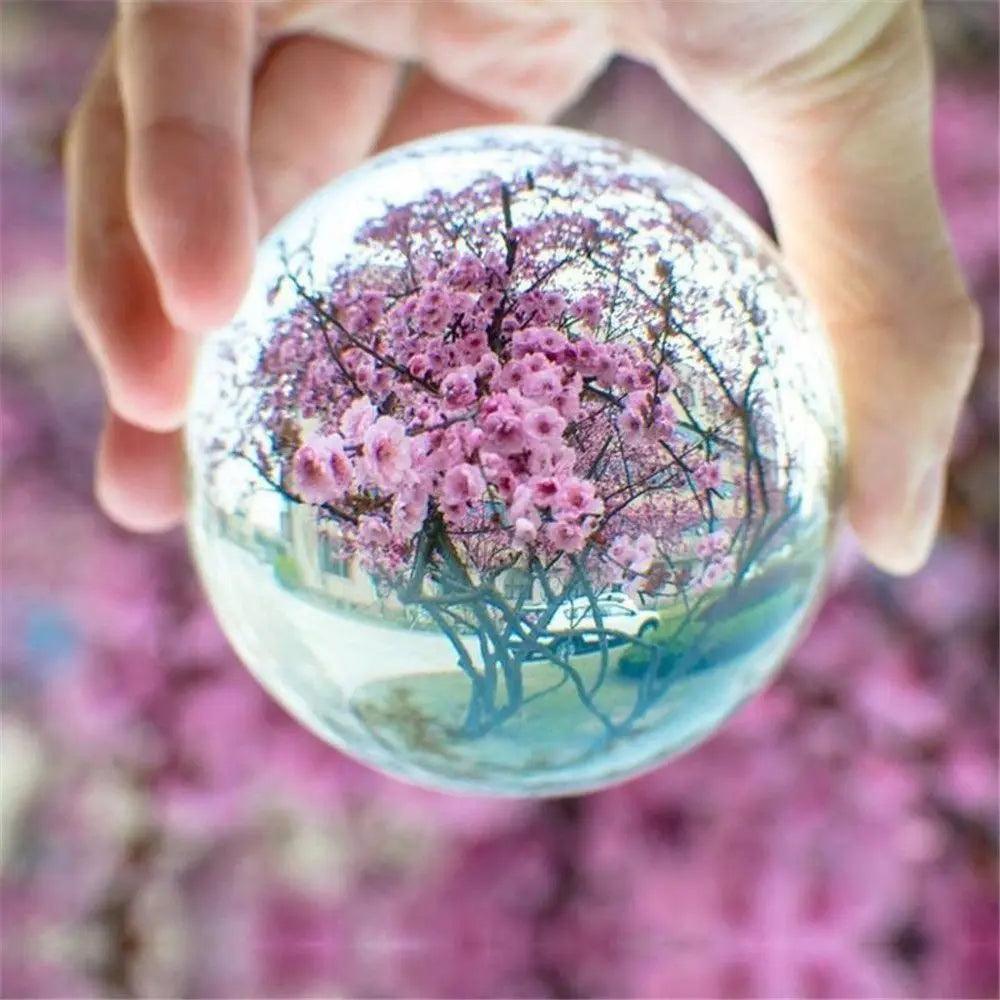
{"x":287,"y":572}
{"x":729,"y":623}
{"x":423,"y":715}
{"x":544,"y":732}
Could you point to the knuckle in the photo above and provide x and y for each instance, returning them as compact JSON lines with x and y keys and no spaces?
{"x":220,"y":29}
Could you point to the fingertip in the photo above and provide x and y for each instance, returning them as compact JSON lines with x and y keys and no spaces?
{"x":203,"y":296}
{"x":898,"y":540}
{"x":153,"y":398}
{"x":139,"y":477}
{"x":145,"y":408}
{"x":890,"y":557}
{"x":185,"y":74}
{"x":145,"y":362}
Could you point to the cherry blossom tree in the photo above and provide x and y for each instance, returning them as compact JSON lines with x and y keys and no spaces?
{"x":505,"y":401}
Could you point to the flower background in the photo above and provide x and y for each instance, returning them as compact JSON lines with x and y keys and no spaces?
{"x":169,"y":831}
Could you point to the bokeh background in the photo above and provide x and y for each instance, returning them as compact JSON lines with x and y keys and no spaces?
{"x":169,"y":831}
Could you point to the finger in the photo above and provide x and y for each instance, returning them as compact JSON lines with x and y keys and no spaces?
{"x":840,"y":142}
{"x":861,"y":224}
{"x":427,"y":106}
{"x":318,"y":109}
{"x":145,"y":361}
{"x":185,"y":75}
{"x":139,"y":476}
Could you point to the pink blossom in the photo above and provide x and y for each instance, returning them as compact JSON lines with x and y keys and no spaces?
{"x":545,"y":458}
{"x":605,"y":367}
{"x":568,"y":400}
{"x":409,"y":510}
{"x":708,"y":475}
{"x":505,"y":482}
{"x":489,"y":299}
{"x":505,"y":432}
{"x":476,"y":347}
{"x":588,"y":310}
{"x":459,"y":388}
{"x":373,"y":534}
{"x":398,"y":318}
{"x":631,"y":424}
{"x":642,"y":558}
{"x":711,"y":575}
{"x":629,"y":375}
{"x":512,"y":375}
{"x":419,"y":365}
{"x":450,"y":448}
{"x":525,"y":531}
{"x":526,"y":342}
{"x":321,"y":469}
{"x":577,"y":498}
{"x":544,"y":490}
{"x":543,"y":385}
{"x":544,"y":424}
{"x":492,"y":464}
{"x":566,"y":536}
{"x":621,"y":551}
{"x":664,"y":418}
{"x":587,"y":356}
{"x":472,"y":437}
{"x":522,"y":506}
{"x":488,"y":366}
{"x":434,"y":309}
{"x":363,"y":370}
{"x":467,"y":272}
{"x":372,"y":303}
{"x":462,"y":303}
{"x":386,"y":453}
{"x":357,"y":418}
{"x":341,"y":470}
{"x":552,"y":342}
{"x":712,"y":545}
{"x":352,"y":319}
{"x":536,"y":362}
{"x":439,"y":356}
{"x":637,"y":401}
{"x":715,"y":572}
{"x":666,"y":380}
{"x":463,"y":484}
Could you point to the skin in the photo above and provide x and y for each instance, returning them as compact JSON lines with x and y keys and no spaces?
{"x":204,"y":122}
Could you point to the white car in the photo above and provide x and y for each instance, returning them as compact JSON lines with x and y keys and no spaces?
{"x":576,"y":625}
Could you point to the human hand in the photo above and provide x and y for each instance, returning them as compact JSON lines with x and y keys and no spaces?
{"x":206,"y":122}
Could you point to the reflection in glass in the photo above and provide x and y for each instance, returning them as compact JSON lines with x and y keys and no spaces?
{"x":517,"y":470}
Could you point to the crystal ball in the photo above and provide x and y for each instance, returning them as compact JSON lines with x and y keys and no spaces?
{"x":517,"y":470}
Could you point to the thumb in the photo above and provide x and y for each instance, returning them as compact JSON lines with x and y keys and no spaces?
{"x":840,"y":143}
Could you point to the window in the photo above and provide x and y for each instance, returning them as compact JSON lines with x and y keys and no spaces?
{"x":333,"y":564}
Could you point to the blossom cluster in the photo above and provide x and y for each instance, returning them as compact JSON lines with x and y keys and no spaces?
{"x":514,"y":384}
{"x":479,"y":432}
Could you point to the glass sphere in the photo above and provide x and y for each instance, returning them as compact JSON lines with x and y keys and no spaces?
{"x":517,"y":471}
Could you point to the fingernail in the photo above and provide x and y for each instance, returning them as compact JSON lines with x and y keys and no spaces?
{"x":897,"y":526}
{"x":925,"y":513}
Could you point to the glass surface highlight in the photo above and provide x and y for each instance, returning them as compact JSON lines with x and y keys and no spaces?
{"x":517,"y":471}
